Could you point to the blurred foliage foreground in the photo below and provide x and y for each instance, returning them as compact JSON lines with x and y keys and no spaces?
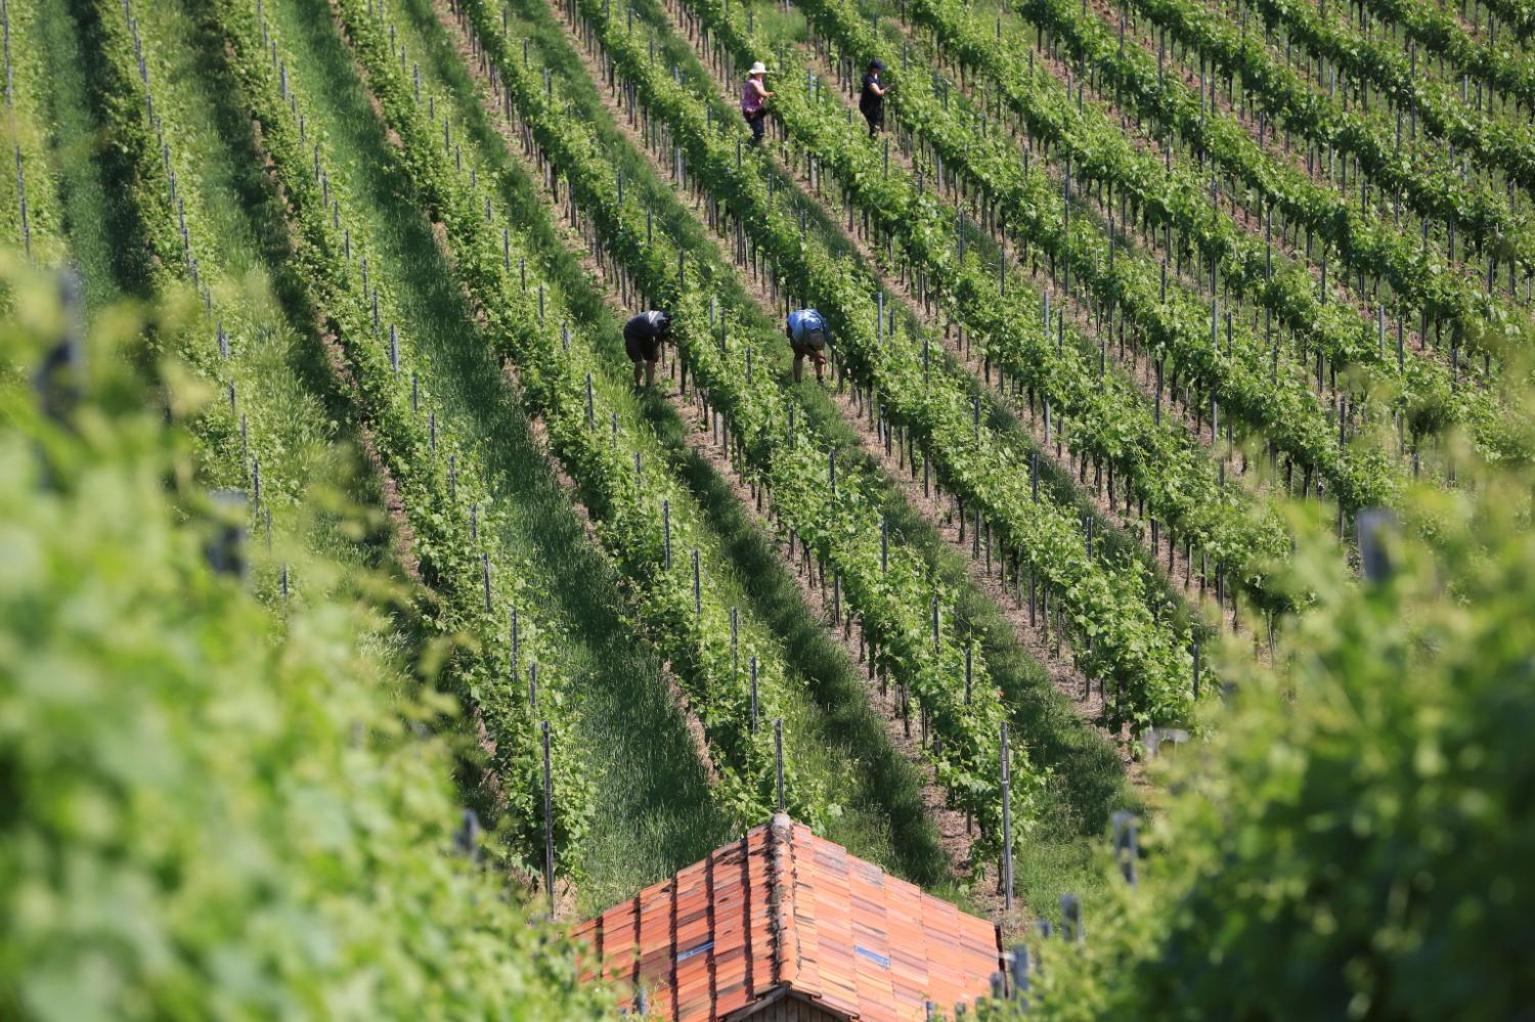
{"x":219,"y":806}
{"x":211,"y":806}
{"x":1354,"y":835}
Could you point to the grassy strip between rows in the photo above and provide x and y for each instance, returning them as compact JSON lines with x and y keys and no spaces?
{"x":653,"y":808}
{"x":1085,"y":781}
{"x":73,"y":141}
{"x":1117,"y":636}
{"x":436,"y":482}
{"x":831,"y":729}
{"x":722,"y":699}
{"x":31,"y":217}
{"x":833,"y":510}
{"x":753,"y":656}
{"x":1112,"y":423}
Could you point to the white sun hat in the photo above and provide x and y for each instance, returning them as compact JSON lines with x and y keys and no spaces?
{"x":759,"y":68}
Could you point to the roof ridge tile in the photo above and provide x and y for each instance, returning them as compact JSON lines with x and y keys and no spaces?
{"x":781,"y":899}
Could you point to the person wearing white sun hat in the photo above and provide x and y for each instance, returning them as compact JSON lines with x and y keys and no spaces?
{"x":754,"y":97}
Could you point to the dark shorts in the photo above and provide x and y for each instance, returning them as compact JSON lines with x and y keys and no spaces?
{"x":806,"y":351}
{"x":758,"y":124}
{"x":875,"y":115}
{"x":642,"y":349}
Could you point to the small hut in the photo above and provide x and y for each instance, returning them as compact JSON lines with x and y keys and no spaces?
{"x":782,"y":925}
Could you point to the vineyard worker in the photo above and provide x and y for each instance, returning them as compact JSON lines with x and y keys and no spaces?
{"x":806,"y":331}
{"x":872,"y":100}
{"x":643,"y":337}
{"x":754,"y":97}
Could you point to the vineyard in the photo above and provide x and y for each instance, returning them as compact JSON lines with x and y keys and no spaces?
{"x":1149,"y":573}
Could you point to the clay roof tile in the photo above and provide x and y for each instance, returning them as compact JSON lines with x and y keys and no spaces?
{"x":782,"y":910}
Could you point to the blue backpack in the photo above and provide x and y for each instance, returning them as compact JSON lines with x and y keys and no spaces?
{"x":809,"y":329}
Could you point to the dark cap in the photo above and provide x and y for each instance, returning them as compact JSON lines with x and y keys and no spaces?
{"x":877,"y":64}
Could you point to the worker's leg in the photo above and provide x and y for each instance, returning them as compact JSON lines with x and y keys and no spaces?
{"x":636,"y":374}
{"x":799,"y":365}
{"x":820,"y":368}
{"x":650,"y":373}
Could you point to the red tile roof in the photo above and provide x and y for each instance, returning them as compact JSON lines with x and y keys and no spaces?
{"x":782,"y":910}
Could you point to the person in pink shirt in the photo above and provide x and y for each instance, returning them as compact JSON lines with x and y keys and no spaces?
{"x":754,"y":97}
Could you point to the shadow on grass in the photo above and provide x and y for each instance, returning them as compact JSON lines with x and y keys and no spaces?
{"x":654,"y":812}
{"x":1087,"y":781}
{"x":888,"y":788}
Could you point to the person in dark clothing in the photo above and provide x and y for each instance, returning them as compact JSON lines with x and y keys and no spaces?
{"x":806,"y":330}
{"x":871,"y":102}
{"x":643,"y":337}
